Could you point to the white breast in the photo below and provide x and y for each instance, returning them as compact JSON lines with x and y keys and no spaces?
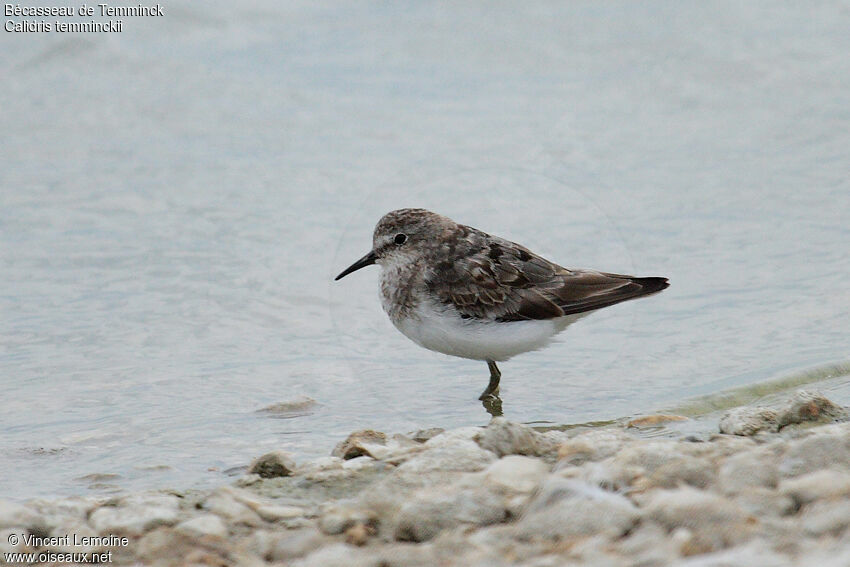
{"x":440,"y":328}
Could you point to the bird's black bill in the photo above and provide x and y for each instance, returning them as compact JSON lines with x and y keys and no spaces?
{"x":366,"y":260}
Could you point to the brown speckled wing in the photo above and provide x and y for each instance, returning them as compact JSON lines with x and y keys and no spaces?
{"x":499,"y":280}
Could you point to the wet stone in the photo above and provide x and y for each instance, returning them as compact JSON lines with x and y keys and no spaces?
{"x":365,"y":442}
{"x":748,"y":421}
{"x":433,"y":510}
{"x":274,"y":464}
{"x":504,"y":437}
{"x":568,"y":508}
{"x":809,"y":407}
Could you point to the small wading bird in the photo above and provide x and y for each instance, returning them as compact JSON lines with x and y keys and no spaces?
{"x":460,"y":291}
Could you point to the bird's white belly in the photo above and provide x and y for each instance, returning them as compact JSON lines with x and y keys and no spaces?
{"x":442,"y":330}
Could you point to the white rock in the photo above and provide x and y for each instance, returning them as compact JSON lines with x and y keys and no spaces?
{"x":749,"y":469}
{"x":817,"y":485}
{"x":504,"y":437}
{"x":274,"y":513}
{"x":13,"y":514}
{"x":452,"y":436}
{"x":756,"y":553}
{"x":336,"y":518}
{"x":334,"y":555}
{"x":815,"y":452}
{"x":748,"y":421}
{"x":516,"y":473}
{"x":715,"y":521}
{"x":826,"y":517}
{"x":131,"y":519}
{"x":224,"y":503}
{"x":593,"y":445}
{"x":648,"y":456}
{"x":461,"y":455}
{"x":568,"y":508}
{"x":359,"y":463}
{"x":435,"y":509}
{"x":203,"y":525}
{"x":694,"y":471}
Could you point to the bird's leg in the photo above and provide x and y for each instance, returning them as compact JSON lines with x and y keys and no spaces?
{"x":493,"y":386}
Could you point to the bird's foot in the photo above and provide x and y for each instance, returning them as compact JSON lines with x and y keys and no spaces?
{"x":492,"y":404}
{"x":488,"y":393}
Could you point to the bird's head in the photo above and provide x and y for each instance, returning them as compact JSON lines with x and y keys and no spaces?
{"x":401,"y":237}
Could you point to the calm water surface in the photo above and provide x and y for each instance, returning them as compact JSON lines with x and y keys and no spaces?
{"x":175,"y":200}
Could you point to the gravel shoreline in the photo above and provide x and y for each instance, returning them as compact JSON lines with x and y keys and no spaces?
{"x":771,"y":489}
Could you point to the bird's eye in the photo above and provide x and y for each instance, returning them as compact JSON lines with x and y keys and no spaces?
{"x":400,"y":239}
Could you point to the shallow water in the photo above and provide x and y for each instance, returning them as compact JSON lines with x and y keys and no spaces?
{"x":175,"y":200}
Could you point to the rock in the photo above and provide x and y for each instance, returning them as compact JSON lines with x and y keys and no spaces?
{"x":359,"y":463}
{"x":813,"y":453}
{"x":320,"y":465}
{"x":647,"y":457}
{"x":748,"y":469}
{"x":135,"y":515}
{"x":516,"y":473}
{"x":817,"y":485}
{"x":337,"y":518}
{"x":208,"y":525}
{"x":226,"y":503}
{"x":274,"y":513}
{"x":274,"y":464}
{"x":755,"y":553}
{"x":365,"y":442}
{"x":460,"y":455}
{"x":764,"y":502}
{"x":358,"y":534}
{"x":432,"y":510}
{"x":802,"y":407}
{"x":748,"y":421}
{"x":826,"y":517}
{"x":693,"y":471}
{"x":504,"y":437}
{"x":335,"y":555}
{"x":292,"y":544}
{"x":452,"y":436}
{"x":807,"y":407}
{"x":295,"y":407}
{"x":424,"y":435}
{"x":593,"y":445}
{"x":715,"y":521}
{"x":649,"y":544}
{"x":13,"y":515}
{"x":654,"y":420}
{"x":567,"y":508}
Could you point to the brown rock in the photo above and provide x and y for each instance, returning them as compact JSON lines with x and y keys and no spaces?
{"x":365,"y":442}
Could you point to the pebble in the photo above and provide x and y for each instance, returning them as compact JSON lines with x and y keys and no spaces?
{"x":748,"y":421}
{"x":516,"y":473}
{"x":715,"y":521}
{"x":568,"y":508}
{"x":459,"y":455}
{"x":506,"y":494}
{"x":135,"y":515}
{"x":13,"y":514}
{"x":747,"y":470}
{"x":203,"y":525}
{"x":817,"y":485}
{"x":433,"y":510}
{"x":365,"y":442}
{"x":274,"y":464}
{"x":504,"y":437}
